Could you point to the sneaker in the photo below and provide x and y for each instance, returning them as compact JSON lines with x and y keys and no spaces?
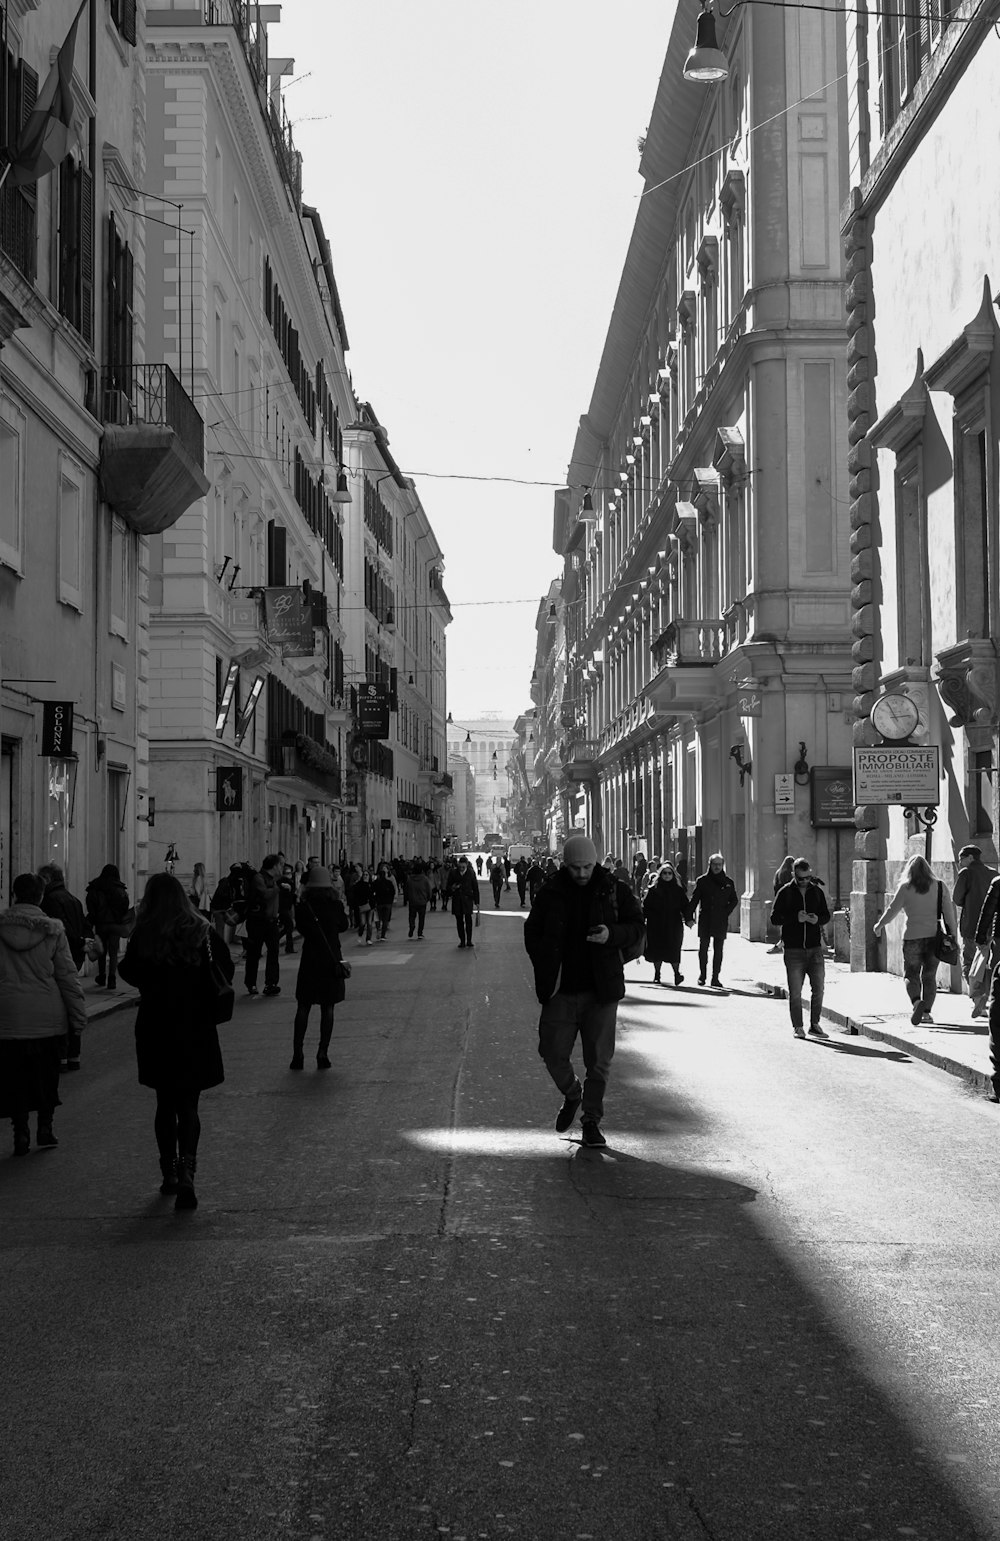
{"x":592,"y":1133}
{"x":296,"y":1062}
{"x":461,"y":944}
{"x":916,"y":1014}
{"x":701,"y":979}
{"x":980,"y":1012}
{"x":45,"y":1139}
{"x":567,"y":1112}
{"x":927,"y":1018}
{"x":252,"y":990}
{"x":775,"y":948}
{"x":272,"y":989}
{"x":799,"y":1032}
{"x":818,"y":1032}
{"x":717,"y":984}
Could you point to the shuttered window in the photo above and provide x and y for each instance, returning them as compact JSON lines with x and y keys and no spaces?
{"x":75,"y":297}
{"x":119,"y":307}
{"x":18,"y":205}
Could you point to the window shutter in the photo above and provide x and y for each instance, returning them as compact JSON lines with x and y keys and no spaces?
{"x":129,"y":315}
{"x":86,"y":247}
{"x":128,"y":20}
{"x":276,"y":559}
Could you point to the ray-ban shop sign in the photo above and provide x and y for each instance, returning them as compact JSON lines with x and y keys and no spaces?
{"x":888,"y":776}
{"x":57,"y":729}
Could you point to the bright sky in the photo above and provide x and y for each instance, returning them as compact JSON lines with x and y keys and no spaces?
{"x":476,"y":170}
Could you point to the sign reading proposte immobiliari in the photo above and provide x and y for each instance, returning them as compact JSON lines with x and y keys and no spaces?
{"x":896,"y":775}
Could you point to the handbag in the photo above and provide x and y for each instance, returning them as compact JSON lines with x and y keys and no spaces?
{"x":945,"y":945}
{"x":979,"y":971}
{"x":222,"y":996}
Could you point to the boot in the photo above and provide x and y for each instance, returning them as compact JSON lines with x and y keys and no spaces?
{"x":44,"y":1138}
{"x":298,"y":1039}
{"x":322,"y":1053}
{"x":22,"y":1137}
{"x":168,"y":1167}
{"x":186,"y":1196}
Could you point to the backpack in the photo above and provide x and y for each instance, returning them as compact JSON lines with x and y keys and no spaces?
{"x":628,"y":954}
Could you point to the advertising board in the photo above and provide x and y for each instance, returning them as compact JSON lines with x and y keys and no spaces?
{"x":887,"y":776}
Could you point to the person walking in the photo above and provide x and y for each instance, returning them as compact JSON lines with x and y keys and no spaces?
{"x":108,"y":913}
{"x":320,"y":917}
{"x":418,"y":893}
{"x":665,"y":910}
{"x":800,"y":911}
{"x":222,"y":907}
{"x":41,"y":1002}
{"x":921,"y":897}
{"x":463,"y":891}
{"x":196,"y":893}
{"x":580,"y":929}
{"x":968,"y":896}
{"x":782,"y":876}
{"x":536,"y":877}
{"x":479,"y":866}
{"x":287,"y":895}
{"x":362,"y":897}
{"x":521,"y":879}
{"x":384,"y":895}
{"x":59,"y":904}
{"x":714,"y":898}
{"x":681,"y":868}
{"x":169,"y":959}
{"x":494,"y":866}
{"x":261,"y":901}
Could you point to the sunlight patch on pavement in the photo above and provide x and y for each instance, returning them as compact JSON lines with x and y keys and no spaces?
{"x":488,"y":1141}
{"x":368,"y":959}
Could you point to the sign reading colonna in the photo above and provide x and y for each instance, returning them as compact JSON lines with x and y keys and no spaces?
{"x":889,"y":775}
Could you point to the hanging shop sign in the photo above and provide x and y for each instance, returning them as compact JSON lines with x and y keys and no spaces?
{"x":57,"y":730}
{"x":229,"y":789}
{"x":288,"y":617}
{"x":373,"y":711}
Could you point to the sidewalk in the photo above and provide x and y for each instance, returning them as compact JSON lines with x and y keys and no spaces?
{"x":873,"y":1005}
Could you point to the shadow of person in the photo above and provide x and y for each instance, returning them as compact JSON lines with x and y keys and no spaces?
{"x":864,"y":1051}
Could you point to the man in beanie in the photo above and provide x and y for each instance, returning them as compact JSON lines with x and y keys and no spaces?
{"x":581,"y":926}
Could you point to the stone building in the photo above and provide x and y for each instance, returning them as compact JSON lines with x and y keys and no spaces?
{"x":704,"y":530}
{"x":487,"y":743}
{"x":923,"y":255}
{"x":101,"y":450}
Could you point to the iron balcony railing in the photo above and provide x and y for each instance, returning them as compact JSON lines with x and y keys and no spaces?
{"x":152,"y":393}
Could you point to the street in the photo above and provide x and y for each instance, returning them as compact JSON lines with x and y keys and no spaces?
{"x":406,"y":1307}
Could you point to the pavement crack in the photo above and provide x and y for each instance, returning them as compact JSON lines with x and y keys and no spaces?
{"x":453,"y":1105}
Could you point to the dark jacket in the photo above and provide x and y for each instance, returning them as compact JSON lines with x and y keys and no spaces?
{"x":385,"y":891}
{"x":968,"y":895}
{"x":715,"y":898}
{"x":261,"y":898}
{"x":665,"y":909}
{"x":418,"y":889}
{"x":176,"y":1040}
{"x":988,"y":926}
{"x":107,"y":903}
{"x":789,"y":903}
{"x":60,"y":904}
{"x":463,"y":891}
{"x":320,"y":917}
{"x":361,"y":894}
{"x":610,"y":904}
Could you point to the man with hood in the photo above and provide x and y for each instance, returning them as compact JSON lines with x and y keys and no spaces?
{"x":41,"y":1000}
{"x":580,"y":930}
{"x":107,"y":909}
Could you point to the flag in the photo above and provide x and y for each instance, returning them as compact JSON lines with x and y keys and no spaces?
{"x":50,"y":132}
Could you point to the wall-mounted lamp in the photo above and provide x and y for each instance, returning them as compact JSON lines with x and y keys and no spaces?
{"x":801,"y":767}
{"x":745,"y":767}
{"x":706,"y":62}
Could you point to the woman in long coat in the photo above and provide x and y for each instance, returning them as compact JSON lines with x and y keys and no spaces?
{"x":320,"y":917}
{"x":665,"y":910}
{"x":176,"y":1040}
{"x":41,"y":999}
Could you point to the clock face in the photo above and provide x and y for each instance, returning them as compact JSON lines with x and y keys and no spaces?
{"x":895,"y":716}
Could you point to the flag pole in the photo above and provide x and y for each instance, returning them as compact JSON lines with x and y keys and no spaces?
{"x":4,"y":174}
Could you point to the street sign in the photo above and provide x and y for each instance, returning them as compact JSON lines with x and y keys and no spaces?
{"x":288,"y":617}
{"x":784,"y":794}
{"x":890,"y":776}
{"x":832,"y":797}
{"x":57,"y":730}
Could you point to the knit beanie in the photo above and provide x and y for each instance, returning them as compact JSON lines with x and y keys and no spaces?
{"x":579,"y":851}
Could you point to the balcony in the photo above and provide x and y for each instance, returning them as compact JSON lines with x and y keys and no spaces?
{"x":411,"y":812}
{"x":153,"y":447}
{"x":302,"y":767}
{"x":690,"y":644}
{"x":579,"y":759}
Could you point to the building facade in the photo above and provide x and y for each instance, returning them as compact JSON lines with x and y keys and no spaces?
{"x":705,"y":597}
{"x":923,"y":254}
{"x":486,"y":744}
{"x":101,"y":451}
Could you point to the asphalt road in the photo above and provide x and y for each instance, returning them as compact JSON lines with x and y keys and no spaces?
{"x":407,"y":1308}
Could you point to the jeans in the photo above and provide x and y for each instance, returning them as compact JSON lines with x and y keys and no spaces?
{"x":799,"y":962}
{"x":261,"y":934}
{"x":497,"y":886}
{"x":107,"y":966}
{"x":463,"y":920}
{"x":969,"y":950}
{"x":384,"y":918}
{"x":920,"y":966}
{"x":562,"y":1018}
{"x":718,"y":940}
{"x":417,"y":914}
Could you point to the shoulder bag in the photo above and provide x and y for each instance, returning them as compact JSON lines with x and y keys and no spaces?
{"x":945,"y":945}
{"x":222,"y":996}
{"x":341,"y":965}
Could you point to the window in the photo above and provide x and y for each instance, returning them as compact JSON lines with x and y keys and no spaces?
{"x":907,"y":38}
{"x":912,"y":569}
{"x":75,"y":273}
{"x":13,"y":431}
{"x":18,"y":205}
{"x":123,"y":16}
{"x":118,"y":578}
{"x":119,"y":308}
{"x":70,"y":575}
